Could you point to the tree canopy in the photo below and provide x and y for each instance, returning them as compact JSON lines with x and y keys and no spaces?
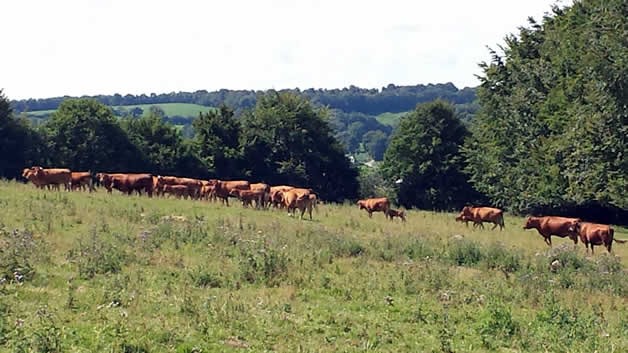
{"x":425,"y":155}
{"x":553,"y":125}
{"x":286,"y":140}
{"x":84,"y":135}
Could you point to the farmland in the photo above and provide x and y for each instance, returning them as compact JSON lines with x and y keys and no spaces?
{"x":97,"y":272}
{"x":170,"y":109}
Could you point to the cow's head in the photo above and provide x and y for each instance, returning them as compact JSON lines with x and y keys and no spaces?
{"x":361,"y":205}
{"x":574,"y":227}
{"x":25,"y":172}
{"x":529,"y":224}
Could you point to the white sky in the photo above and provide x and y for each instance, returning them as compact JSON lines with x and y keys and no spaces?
{"x":87,"y":47}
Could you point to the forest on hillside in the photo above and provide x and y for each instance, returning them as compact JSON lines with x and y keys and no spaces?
{"x":354,"y":110}
{"x":550,"y":135}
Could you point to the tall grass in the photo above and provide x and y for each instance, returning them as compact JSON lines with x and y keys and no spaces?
{"x":98,"y":272}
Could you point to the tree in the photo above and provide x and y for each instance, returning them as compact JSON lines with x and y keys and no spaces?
{"x":216,"y":140}
{"x":285,"y":140}
{"x":375,"y":143}
{"x":162,"y":145}
{"x":20,"y":145}
{"x":553,"y":124}
{"x":425,"y":155}
{"x":84,"y":135}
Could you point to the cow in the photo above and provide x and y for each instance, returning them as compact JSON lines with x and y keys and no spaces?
{"x":597,"y":234}
{"x":248,"y":196}
{"x":50,"y":176}
{"x":193,"y":185}
{"x":222,"y":189}
{"x":392,"y":213}
{"x":127,"y":183}
{"x":275,"y":195}
{"x":265,"y":188}
{"x":482,"y":214}
{"x":29,"y":175}
{"x":82,"y":180}
{"x":177,"y":190}
{"x":380,"y":204}
{"x":299,"y":198}
{"x":551,"y":225}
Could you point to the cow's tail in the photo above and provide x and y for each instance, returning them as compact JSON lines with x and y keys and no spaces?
{"x":611,"y":232}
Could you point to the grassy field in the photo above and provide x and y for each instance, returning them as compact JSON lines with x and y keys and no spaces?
{"x":171,"y":109}
{"x":110,"y":273}
{"x":391,"y":119}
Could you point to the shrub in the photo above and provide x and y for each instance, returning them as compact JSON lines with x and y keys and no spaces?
{"x":498,"y":257}
{"x":265,"y":265}
{"x":465,"y":252}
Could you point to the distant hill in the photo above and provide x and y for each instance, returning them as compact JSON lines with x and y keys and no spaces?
{"x":360,"y":116}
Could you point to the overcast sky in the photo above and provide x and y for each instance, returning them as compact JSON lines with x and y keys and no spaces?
{"x":88,"y":47}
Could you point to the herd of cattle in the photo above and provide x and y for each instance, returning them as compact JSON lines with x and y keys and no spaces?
{"x":260,"y":195}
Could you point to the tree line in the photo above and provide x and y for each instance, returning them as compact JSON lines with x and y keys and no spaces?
{"x":374,"y":101}
{"x":550,"y":135}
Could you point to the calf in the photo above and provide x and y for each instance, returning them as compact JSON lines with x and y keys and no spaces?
{"x":396,"y":213}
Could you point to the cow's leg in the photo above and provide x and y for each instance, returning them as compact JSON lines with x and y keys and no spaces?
{"x":370,"y":214}
{"x":494,"y":226}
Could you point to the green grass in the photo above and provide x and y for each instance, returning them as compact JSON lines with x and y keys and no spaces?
{"x":391,"y":119}
{"x":118,"y":274}
{"x":171,"y":109}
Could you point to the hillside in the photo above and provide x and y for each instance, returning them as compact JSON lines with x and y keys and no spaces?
{"x":99,"y":272}
{"x":360,"y":116}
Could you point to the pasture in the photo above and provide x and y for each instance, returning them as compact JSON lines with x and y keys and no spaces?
{"x":110,"y":273}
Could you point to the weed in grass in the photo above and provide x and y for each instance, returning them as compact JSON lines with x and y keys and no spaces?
{"x":464,"y":252}
{"x":96,"y":255}
{"x":46,"y":335}
{"x":497,"y":326}
{"x":18,"y":250}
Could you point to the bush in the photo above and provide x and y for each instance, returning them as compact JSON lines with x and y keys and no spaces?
{"x":465,"y":252}
{"x":498,"y":257}
{"x":265,"y":265}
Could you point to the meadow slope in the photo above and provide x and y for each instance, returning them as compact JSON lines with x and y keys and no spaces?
{"x":109,"y":273}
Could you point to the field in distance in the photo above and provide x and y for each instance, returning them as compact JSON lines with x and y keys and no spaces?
{"x":97,"y":272}
{"x":170,"y":109}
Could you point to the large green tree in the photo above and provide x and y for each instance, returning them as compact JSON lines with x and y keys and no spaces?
{"x":553,"y":126}
{"x":84,"y":135}
{"x":20,"y":145}
{"x":424,"y":158}
{"x":162,"y":145}
{"x":286,"y":140}
{"x":217,"y":142}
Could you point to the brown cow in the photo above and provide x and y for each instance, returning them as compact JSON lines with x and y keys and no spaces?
{"x":127,"y":183}
{"x":82,"y":180}
{"x":176,"y":190}
{"x":298,"y":198}
{"x":482,"y":214}
{"x":222,"y":189}
{"x":396,"y":213}
{"x":51,"y":176}
{"x":597,"y":234}
{"x":558,"y":226}
{"x":380,"y":204}
{"x":265,"y":188}
{"x":29,"y":175}
{"x":193,"y":185}
{"x":275,"y":195}
{"x":248,"y":196}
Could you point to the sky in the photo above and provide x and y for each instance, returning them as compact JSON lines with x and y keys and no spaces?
{"x":90,"y":47}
